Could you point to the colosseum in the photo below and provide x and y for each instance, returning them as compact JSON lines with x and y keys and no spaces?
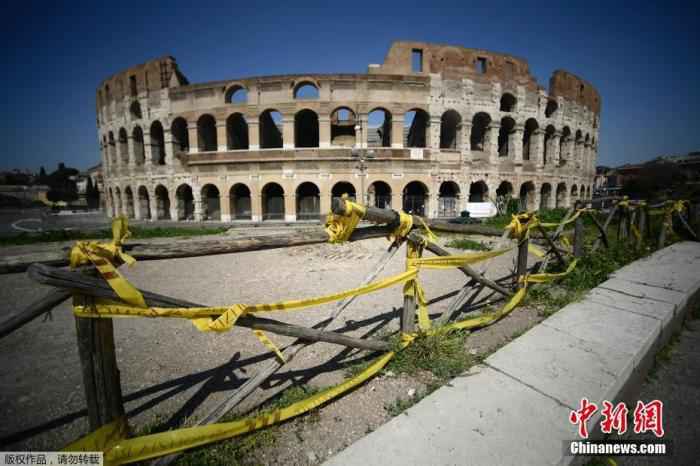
{"x":434,"y":130}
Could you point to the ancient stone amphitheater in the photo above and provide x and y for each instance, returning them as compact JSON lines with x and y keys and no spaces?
{"x":433,"y":130}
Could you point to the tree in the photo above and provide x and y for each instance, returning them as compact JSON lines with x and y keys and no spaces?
{"x":92,"y":195}
{"x":62,"y":185}
{"x":42,"y":176}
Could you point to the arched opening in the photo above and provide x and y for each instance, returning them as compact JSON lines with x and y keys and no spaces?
{"x":564,"y":143}
{"x":306,"y":91}
{"x":530,"y":127}
{"x":551,"y":108}
{"x":546,"y":196}
{"x":343,"y":127}
{"x":144,"y":203}
{"x":416,"y":128}
{"x":448,"y":199}
{"x":111,"y":149}
{"x":480,"y":129}
{"x":508,"y":102}
{"x":343,"y":187}
{"x":574,"y":194}
{"x":504,"y":145}
{"x":273,"y":202}
{"x":185,"y":202}
{"x":548,"y":135}
{"x":206,"y":134}
{"x":415,"y":198}
{"x":162,"y":203}
{"x":561,"y":195}
{"x":123,"y":147}
{"x":478,"y":192}
{"x":527,"y":196}
{"x":211,"y":202}
{"x":308,"y":201}
{"x":236,"y":95}
{"x":450,"y":130}
{"x":240,"y":202}
{"x":137,"y":138}
{"x":135,"y":110}
{"x":157,"y":144}
{"x":306,"y":129}
{"x":379,"y":194}
{"x":270,"y":129}
{"x":129,"y":195}
{"x":505,"y":189}
{"x":379,"y":128}
{"x":181,"y":137}
{"x":236,"y":132}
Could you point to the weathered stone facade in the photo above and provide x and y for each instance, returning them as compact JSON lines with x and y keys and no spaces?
{"x":431,"y":129}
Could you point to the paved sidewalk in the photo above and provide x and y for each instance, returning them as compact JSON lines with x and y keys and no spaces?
{"x":515,"y":408}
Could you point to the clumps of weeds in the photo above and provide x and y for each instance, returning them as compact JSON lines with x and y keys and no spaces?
{"x":441,"y":353}
{"x":466,"y":243}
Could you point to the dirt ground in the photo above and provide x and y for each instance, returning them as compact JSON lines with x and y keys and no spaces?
{"x":171,"y":373}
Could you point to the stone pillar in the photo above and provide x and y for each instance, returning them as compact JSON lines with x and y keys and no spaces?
{"x":433,"y":133}
{"x":491,"y":145}
{"x":137,"y":205}
{"x":225,"y":206}
{"x":362,"y":135}
{"x":153,"y":204}
{"x":221,"y":136}
{"x":192,"y":135}
{"x":290,"y":208}
{"x":173,"y":205}
{"x":254,"y":134}
{"x":465,"y":144}
{"x":288,"y":132}
{"x":198,"y":207}
{"x":324,"y":132}
{"x":537,"y":148}
{"x":325,"y":202}
{"x":554,"y":148}
{"x":537,"y":195}
{"x":147,"y":152}
{"x":255,"y":206}
{"x":168,"y":143}
{"x":579,"y":154}
{"x":130,"y":152}
{"x":397,"y":132}
{"x":431,"y":210}
{"x":515,"y":144}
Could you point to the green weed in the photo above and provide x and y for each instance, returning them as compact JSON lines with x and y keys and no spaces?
{"x":465,"y":243}
{"x":441,"y":353}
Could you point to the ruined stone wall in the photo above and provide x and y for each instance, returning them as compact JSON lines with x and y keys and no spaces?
{"x":230,"y":150}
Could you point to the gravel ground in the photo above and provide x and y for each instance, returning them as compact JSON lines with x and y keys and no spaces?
{"x":170,"y":372}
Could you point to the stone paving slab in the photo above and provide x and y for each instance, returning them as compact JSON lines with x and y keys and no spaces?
{"x":515,"y":411}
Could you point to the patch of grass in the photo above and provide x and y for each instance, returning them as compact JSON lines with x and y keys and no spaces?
{"x":441,"y":353}
{"x":465,"y":243}
{"x":136,"y":233}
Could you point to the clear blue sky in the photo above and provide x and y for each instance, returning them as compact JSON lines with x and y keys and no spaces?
{"x":643,"y":59}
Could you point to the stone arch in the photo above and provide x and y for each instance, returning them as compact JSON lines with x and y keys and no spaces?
{"x":504,"y":189}
{"x":135,"y":110}
{"x":162,"y":203}
{"x":561,"y":195}
{"x":504,"y":145}
{"x":448,"y":199}
{"x":206,"y":133}
{"x":236,"y":132}
{"x":415,"y":198}
{"x":211,"y":202}
{"x":508,"y":102}
{"x":481,"y":123}
{"x":306,"y":130}
{"x":531,"y":126}
{"x":343,"y":121}
{"x":144,"y":203}
{"x":129,"y":198}
{"x":379,"y":127}
{"x":137,"y":138}
{"x":344,"y":187}
{"x":450,"y":130}
{"x":551,"y":108}
{"x":379,"y":193}
{"x":564,"y":143}
{"x":270,"y":129}
{"x":157,"y":143}
{"x":416,"y":134}
{"x":236,"y":94}
{"x":272,"y":196}
{"x":546,"y":198}
{"x":574,"y":194}
{"x":308,"y":199}
{"x":306,"y":90}
{"x":185,"y":202}
{"x":112,"y":150}
{"x":478,"y":191}
{"x":240,"y":202}
{"x":180,"y":134}
{"x":527,"y":196}
{"x":123,"y":146}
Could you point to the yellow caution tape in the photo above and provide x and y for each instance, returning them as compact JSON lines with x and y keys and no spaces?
{"x":268,"y":343}
{"x":535,"y":250}
{"x":448,"y":262}
{"x":413,"y":286}
{"x":103,"y":256}
{"x":404,"y":227}
{"x":635,"y":232}
{"x":340,"y":227}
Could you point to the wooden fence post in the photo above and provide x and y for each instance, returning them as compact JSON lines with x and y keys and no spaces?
{"x":622,"y":225}
{"x":103,"y":393}
{"x":578,"y":236}
{"x":641,"y":226}
{"x":661,"y":241}
{"x":521,"y":268}
{"x":408,"y":316}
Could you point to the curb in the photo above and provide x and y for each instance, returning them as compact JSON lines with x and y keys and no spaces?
{"x":514,"y":408}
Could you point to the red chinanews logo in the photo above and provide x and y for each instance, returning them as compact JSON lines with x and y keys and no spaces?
{"x":648,"y":417}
